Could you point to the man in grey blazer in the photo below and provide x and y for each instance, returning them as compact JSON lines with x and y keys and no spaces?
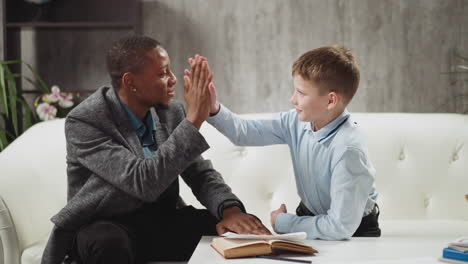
{"x":126,"y":147}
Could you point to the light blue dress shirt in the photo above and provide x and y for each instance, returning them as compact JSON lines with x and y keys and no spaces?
{"x":334,"y":177}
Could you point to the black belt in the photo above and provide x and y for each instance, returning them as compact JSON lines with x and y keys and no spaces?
{"x":369,"y":226}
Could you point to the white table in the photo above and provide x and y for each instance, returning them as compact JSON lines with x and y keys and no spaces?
{"x":383,"y":250}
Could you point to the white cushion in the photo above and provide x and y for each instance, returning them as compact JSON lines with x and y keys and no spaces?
{"x":424,"y":228}
{"x":9,"y":250}
{"x":33,"y":179}
{"x":33,"y":254}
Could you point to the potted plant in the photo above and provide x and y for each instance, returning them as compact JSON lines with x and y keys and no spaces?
{"x":51,"y":104}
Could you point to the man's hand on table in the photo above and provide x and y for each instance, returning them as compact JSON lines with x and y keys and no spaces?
{"x":234,"y":220}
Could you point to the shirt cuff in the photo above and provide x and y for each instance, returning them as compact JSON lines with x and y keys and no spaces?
{"x":218,"y":116}
{"x":216,"y":112}
{"x":283,"y":223}
{"x":229,"y":203}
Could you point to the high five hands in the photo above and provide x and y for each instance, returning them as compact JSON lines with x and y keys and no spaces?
{"x":200,"y":92}
{"x":197,"y":91}
{"x":201,"y":98}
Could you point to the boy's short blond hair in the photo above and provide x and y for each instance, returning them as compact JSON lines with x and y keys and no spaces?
{"x":331,"y":68}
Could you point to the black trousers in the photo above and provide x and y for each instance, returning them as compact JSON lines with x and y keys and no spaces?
{"x":369,"y":226}
{"x":140,"y":238}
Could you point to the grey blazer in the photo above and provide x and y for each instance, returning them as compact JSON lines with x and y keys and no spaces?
{"x":108,"y":174}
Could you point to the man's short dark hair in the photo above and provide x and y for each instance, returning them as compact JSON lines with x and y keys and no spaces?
{"x":128,"y":55}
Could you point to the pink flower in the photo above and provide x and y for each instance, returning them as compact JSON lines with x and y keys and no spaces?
{"x":66,"y":101}
{"x":46,"y":111}
{"x":52,"y":102}
{"x":54,"y":96}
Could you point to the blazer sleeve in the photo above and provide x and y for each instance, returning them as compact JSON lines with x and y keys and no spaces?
{"x":143,"y":178}
{"x":209,"y":187}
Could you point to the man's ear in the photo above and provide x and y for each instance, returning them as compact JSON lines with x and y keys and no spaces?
{"x":333,"y":100}
{"x":127,"y":81}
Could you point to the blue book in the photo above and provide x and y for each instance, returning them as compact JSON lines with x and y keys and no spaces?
{"x":450,"y":253}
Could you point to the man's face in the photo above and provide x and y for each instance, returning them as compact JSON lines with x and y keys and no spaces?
{"x":310,"y":104}
{"x":156,"y":82}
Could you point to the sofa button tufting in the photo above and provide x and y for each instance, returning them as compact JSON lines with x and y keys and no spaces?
{"x":402,"y":156}
{"x":427,"y":201}
{"x":455,"y":157}
{"x":242,"y":151}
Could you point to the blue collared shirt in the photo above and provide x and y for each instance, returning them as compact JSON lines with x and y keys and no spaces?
{"x":145,"y":130}
{"x":334,"y":177}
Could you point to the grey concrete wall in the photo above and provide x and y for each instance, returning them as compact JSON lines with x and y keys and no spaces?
{"x":73,"y":59}
{"x":402,"y":47}
{"x":78,"y":56}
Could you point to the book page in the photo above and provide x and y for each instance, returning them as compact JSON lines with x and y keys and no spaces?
{"x":289,"y":245}
{"x":234,"y":248}
{"x":460,"y":242}
{"x":231,"y":243}
{"x":289,"y":236}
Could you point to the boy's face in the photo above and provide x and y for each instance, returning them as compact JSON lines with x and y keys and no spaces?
{"x":310,"y":104}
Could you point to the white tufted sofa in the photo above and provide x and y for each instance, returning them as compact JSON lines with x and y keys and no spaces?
{"x":421,"y":162}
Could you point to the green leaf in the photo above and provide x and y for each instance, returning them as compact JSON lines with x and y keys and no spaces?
{"x":28,"y":115}
{"x":4,"y":134}
{"x":14,"y":115}
{"x":11,"y":62}
{"x":43,"y":85}
{"x":31,"y":81}
{"x":461,"y":57}
{"x":3,"y":90}
{"x":3,"y":139}
{"x":12,"y":94}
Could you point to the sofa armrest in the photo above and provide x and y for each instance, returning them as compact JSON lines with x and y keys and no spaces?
{"x":9,"y":249}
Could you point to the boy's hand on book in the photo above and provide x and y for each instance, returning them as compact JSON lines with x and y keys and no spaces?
{"x":236,"y":221}
{"x":275,"y":213}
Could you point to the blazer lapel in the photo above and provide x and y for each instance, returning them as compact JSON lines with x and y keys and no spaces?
{"x":161,"y":128}
{"x":123,"y":123}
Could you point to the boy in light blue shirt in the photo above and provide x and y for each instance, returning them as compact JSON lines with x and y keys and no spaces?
{"x":334,"y":176}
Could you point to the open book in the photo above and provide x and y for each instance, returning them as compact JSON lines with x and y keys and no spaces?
{"x":236,"y":246}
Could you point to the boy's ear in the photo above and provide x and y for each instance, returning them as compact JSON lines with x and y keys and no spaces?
{"x":333,"y":99}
